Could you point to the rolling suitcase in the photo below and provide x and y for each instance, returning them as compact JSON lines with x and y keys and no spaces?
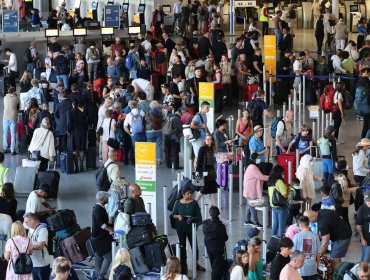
{"x":37,"y":72}
{"x":283,"y":160}
{"x":66,"y":162}
{"x":138,"y":260}
{"x":4,"y":85}
{"x":74,"y":247}
{"x":155,"y":253}
{"x":91,"y":158}
{"x":25,"y":179}
{"x":51,"y":178}
{"x":91,"y":138}
{"x":140,"y":219}
{"x":62,"y":219}
{"x":140,"y":236}
{"x":222,"y":174}
{"x":251,"y":89}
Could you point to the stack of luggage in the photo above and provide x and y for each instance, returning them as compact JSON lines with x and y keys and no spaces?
{"x":148,"y":250}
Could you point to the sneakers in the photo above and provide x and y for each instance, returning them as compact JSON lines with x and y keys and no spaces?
{"x":257,"y":224}
{"x":248,"y":223}
{"x":14,"y":153}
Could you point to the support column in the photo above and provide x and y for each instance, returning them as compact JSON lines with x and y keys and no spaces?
{"x":335,"y":8}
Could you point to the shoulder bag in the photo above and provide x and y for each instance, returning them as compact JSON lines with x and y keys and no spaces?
{"x":278,"y":199}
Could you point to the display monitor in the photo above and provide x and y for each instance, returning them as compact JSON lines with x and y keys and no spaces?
{"x":106,"y":30}
{"x":141,"y":8}
{"x":79,"y":32}
{"x":51,"y":32}
{"x":133,"y":30}
{"x":166,"y":9}
{"x":353,"y":8}
{"x":125,"y":7}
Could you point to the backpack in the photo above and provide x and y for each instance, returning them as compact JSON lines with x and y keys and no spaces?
{"x":94,"y":54}
{"x":327,"y":99}
{"x":274,"y":124}
{"x":63,"y":66}
{"x":341,"y":269}
{"x":137,"y":123}
{"x":336,"y":194}
{"x":102,"y":181}
{"x":160,"y":57}
{"x":361,"y":104}
{"x":324,"y":146}
{"x":347,"y":100}
{"x":168,"y":126}
{"x":129,"y":63}
{"x":23,"y":263}
{"x":254,"y":110}
{"x":27,"y":56}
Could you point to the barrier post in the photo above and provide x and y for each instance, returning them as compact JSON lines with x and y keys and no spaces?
{"x":187,"y":158}
{"x":289,"y":172}
{"x":323,"y":123}
{"x":289,"y":103}
{"x":326,"y":120}
{"x":294,"y":108}
{"x":330,"y":118}
{"x":165,"y":218}
{"x":194,"y":249}
{"x":162,"y":271}
{"x":296,"y":159}
{"x":304,"y":99}
{"x":299,"y":107}
{"x":270,"y":86}
{"x":284,"y":108}
{"x":149,"y":208}
{"x":231,"y":197}
{"x":241,"y":182}
{"x":178,"y":253}
{"x":230,"y":120}
{"x":318,"y":126}
{"x":264,"y":79}
{"x":219,"y":198}
{"x":264,"y":226}
{"x":278,"y":113}
{"x":205,"y":256}
{"x":314,"y":129}
{"x":179,"y":182}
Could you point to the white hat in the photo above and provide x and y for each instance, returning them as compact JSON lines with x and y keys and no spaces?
{"x":43,"y":75}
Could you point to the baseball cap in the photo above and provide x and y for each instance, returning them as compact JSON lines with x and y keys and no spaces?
{"x":367,"y":195}
{"x":102,"y":194}
{"x":43,"y":74}
{"x":252,"y":232}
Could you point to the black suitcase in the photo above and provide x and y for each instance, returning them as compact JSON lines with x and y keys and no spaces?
{"x":91,"y":158}
{"x":140,"y":219}
{"x":138,"y":260}
{"x":51,"y":178}
{"x":91,"y":138}
{"x":62,"y":219}
{"x":74,"y":247}
{"x":155,"y":253}
{"x":4,"y":85}
{"x":37,"y":72}
{"x":66,"y":162}
{"x":22,"y":144}
{"x":140,"y":236}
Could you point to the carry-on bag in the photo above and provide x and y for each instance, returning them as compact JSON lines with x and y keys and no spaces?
{"x":140,"y":219}
{"x":91,"y":158}
{"x":51,"y":178}
{"x":31,"y":163}
{"x":283,"y":160}
{"x":222,"y":174}
{"x":25,"y":179}
{"x":155,"y":253}
{"x":138,"y":260}
{"x":62,"y":219}
{"x":65,"y":233}
{"x":66,"y":162}
{"x":141,"y":235}
{"x":74,"y":247}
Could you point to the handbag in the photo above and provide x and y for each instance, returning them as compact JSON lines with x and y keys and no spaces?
{"x":197,"y":180}
{"x":36,"y":155}
{"x":113,"y":143}
{"x":278,"y":199}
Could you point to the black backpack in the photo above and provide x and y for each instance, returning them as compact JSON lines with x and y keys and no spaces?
{"x":254,"y":110}
{"x":102,"y":180}
{"x":23,"y":263}
{"x":336,"y":194}
{"x":27,"y":56}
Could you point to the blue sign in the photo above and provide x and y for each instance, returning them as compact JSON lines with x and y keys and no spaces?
{"x":111,"y":16}
{"x":10,"y":21}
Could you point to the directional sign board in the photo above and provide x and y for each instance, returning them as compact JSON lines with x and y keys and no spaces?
{"x":111,"y":16}
{"x":10,"y":21}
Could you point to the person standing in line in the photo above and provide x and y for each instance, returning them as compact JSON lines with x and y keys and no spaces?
{"x":290,"y":271}
{"x":215,"y":237}
{"x":101,"y":235}
{"x":199,"y":122}
{"x":10,"y":115}
{"x":282,"y":258}
{"x":12,"y":67}
{"x":40,"y":255}
{"x":264,"y":19}
{"x":363,"y":227}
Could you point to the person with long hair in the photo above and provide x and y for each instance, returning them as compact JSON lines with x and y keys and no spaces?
{"x":79,"y":71}
{"x":30,"y":116}
{"x":360,"y":160}
{"x":185,"y":212}
{"x":206,"y":163}
{"x":338,"y":110}
{"x":173,"y":270}
{"x":242,"y":74}
{"x":25,"y":82}
{"x":215,"y":236}
{"x":121,"y":264}
{"x":279,"y":213}
{"x":18,"y":242}
{"x":8,"y":203}
{"x":239,"y":268}
{"x":255,"y":271}
{"x":244,"y":127}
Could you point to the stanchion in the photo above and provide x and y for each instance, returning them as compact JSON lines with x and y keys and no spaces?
{"x":179,"y":182}
{"x":265,"y":131}
{"x":264,"y":225}
{"x":296,"y":159}
{"x":294,"y":109}
{"x":304,"y":99}
{"x":270,"y":87}
{"x":178,"y":253}
{"x":323,"y":123}
{"x":194,"y":249}
{"x":241,"y":182}
{"x":202,"y":203}
{"x":264,"y":80}
{"x":230,"y":120}
{"x":278,"y":113}
{"x":299,"y":108}
{"x":219,"y":193}
{"x":239,"y":113}
{"x":330,"y":118}
{"x":326,"y":120}
{"x":187,"y":158}
{"x":205,"y":216}
{"x":318,"y":127}
{"x":284,"y":108}
{"x":165,"y":218}
{"x":289,"y":103}
{"x":289,"y":172}
{"x":149,"y":208}
{"x":162,"y":271}
{"x":231,"y":185}
{"x":314,"y":129}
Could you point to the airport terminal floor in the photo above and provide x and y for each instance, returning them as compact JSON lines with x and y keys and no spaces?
{"x":77,"y":191}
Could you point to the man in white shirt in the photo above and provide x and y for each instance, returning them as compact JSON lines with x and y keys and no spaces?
{"x":144,"y":85}
{"x":177,"y":12}
{"x":40,"y":255}
{"x":11,"y":68}
{"x":284,"y":132}
{"x":337,"y":62}
{"x":36,"y":201}
{"x":298,"y":70}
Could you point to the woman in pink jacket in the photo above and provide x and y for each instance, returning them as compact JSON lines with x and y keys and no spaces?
{"x":253,"y":185}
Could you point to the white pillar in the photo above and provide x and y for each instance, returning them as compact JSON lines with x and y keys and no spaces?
{"x":335,"y":8}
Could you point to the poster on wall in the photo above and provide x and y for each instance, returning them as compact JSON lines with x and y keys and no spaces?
{"x":10,"y":21}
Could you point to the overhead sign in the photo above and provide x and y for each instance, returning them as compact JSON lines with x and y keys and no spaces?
{"x":269,"y":51}
{"x":146,"y":175}
{"x":239,"y":4}
{"x":111,"y":16}
{"x":10,"y":21}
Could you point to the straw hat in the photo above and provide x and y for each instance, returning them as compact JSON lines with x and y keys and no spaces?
{"x":364,"y":142}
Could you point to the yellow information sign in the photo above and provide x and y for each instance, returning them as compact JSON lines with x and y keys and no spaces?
{"x":145,"y":153}
{"x":269,"y":51}
{"x":89,"y":14}
{"x":206,"y":91}
{"x":137,"y":18}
